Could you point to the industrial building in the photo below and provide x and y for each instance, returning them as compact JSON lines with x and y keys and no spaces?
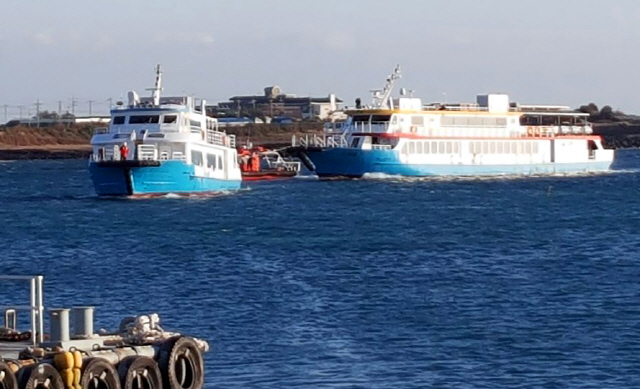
{"x":274,"y":103}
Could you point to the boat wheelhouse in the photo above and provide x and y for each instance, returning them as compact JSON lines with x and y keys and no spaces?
{"x":162,"y":145}
{"x":401,"y":136}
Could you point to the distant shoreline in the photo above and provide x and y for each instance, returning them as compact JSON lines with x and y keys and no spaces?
{"x":44,"y":152}
{"x":615,"y":136}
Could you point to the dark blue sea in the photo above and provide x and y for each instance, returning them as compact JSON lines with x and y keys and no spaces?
{"x":382,"y":283}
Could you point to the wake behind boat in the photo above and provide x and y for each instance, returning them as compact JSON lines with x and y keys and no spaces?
{"x":400,"y":136}
{"x":162,"y":145}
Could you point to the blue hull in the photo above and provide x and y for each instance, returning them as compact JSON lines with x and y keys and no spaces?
{"x":169,"y":177}
{"x":343,"y":162}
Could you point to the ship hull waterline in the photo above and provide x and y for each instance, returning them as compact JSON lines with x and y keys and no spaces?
{"x":169,"y":177}
{"x":354,"y":163}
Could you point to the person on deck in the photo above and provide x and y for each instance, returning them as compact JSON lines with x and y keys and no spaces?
{"x":124,"y":151}
{"x":255,"y":163}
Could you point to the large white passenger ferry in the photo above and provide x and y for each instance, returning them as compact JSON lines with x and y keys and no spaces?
{"x":162,"y":145}
{"x":401,"y":136}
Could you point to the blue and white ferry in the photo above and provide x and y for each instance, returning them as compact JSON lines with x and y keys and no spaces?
{"x":162,"y":145}
{"x":401,"y":136}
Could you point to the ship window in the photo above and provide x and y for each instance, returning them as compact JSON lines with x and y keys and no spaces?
{"x":118,"y":119}
{"x":404,"y":148}
{"x":456,"y":147}
{"x":475,"y":121}
{"x":441,"y":147}
{"x":535,"y":147}
{"x":412,"y":147}
{"x":426,"y":147}
{"x":485,"y":147}
{"x":502,"y":122}
{"x":220,"y":162}
{"x":196,"y":157}
{"x":361,"y":118}
{"x":520,"y":148}
{"x":500,"y":148}
{"x":417,"y":120}
{"x":493,"y":148}
{"x":514,"y":148}
{"x":380,"y":118}
{"x":211,"y":161}
{"x":419,"y":147}
{"x":447,"y":121}
{"x":449,"y":148}
{"x":528,"y":148}
{"x":144,"y":119}
{"x":434,"y":147}
{"x":354,"y":142}
{"x":169,"y":119}
{"x":195,"y":123}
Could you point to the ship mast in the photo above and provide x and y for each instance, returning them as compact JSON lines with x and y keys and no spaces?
{"x":155,"y":91}
{"x":382,"y":98}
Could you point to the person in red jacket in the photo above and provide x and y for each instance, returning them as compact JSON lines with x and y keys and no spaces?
{"x":124,"y":151}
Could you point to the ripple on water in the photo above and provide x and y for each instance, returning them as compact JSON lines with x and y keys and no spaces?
{"x":373,"y":283}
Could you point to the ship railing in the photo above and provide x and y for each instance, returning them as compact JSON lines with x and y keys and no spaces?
{"x":551,"y":131}
{"x":220,"y":138}
{"x":231,"y":141}
{"x":147,"y":152}
{"x":36,"y":307}
{"x":107,"y":154}
{"x":370,"y":127}
{"x":328,"y":141}
{"x":381,"y":147}
{"x":291,"y":166}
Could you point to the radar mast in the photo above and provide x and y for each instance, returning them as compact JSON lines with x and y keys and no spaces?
{"x":382,"y":98}
{"x":157,"y":88}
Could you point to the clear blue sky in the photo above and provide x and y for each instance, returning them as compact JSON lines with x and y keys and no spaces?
{"x":548,"y":52}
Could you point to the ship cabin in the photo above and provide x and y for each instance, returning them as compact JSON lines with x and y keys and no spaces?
{"x":492,"y":116}
{"x":169,"y":130}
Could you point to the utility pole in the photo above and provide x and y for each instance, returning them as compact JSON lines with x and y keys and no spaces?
{"x":38,"y":104}
{"x":74,"y":102}
{"x":90,"y":106}
{"x":59,"y":108}
{"x":20,"y":107}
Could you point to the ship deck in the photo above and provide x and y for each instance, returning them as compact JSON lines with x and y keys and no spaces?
{"x":10,"y":350}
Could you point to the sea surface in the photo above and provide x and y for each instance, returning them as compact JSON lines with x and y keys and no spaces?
{"x":376,"y":283}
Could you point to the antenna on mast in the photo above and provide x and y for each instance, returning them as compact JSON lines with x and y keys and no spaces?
{"x":157,"y":88}
{"x":381,"y":98}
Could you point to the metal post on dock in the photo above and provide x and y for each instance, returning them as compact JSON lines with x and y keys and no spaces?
{"x":40,"y":337}
{"x":60,"y":325}
{"x":82,"y":321}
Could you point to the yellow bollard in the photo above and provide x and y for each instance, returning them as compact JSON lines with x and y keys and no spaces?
{"x":77,"y":359}
{"x":67,"y":377}
{"x":63,"y":360}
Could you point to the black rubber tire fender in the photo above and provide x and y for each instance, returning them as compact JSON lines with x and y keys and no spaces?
{"x":139,"y":372}
{"x":98,"y":373}
{"x":181,"y":364}
{"x":8,"y":380}
{"x":40,"y":375}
